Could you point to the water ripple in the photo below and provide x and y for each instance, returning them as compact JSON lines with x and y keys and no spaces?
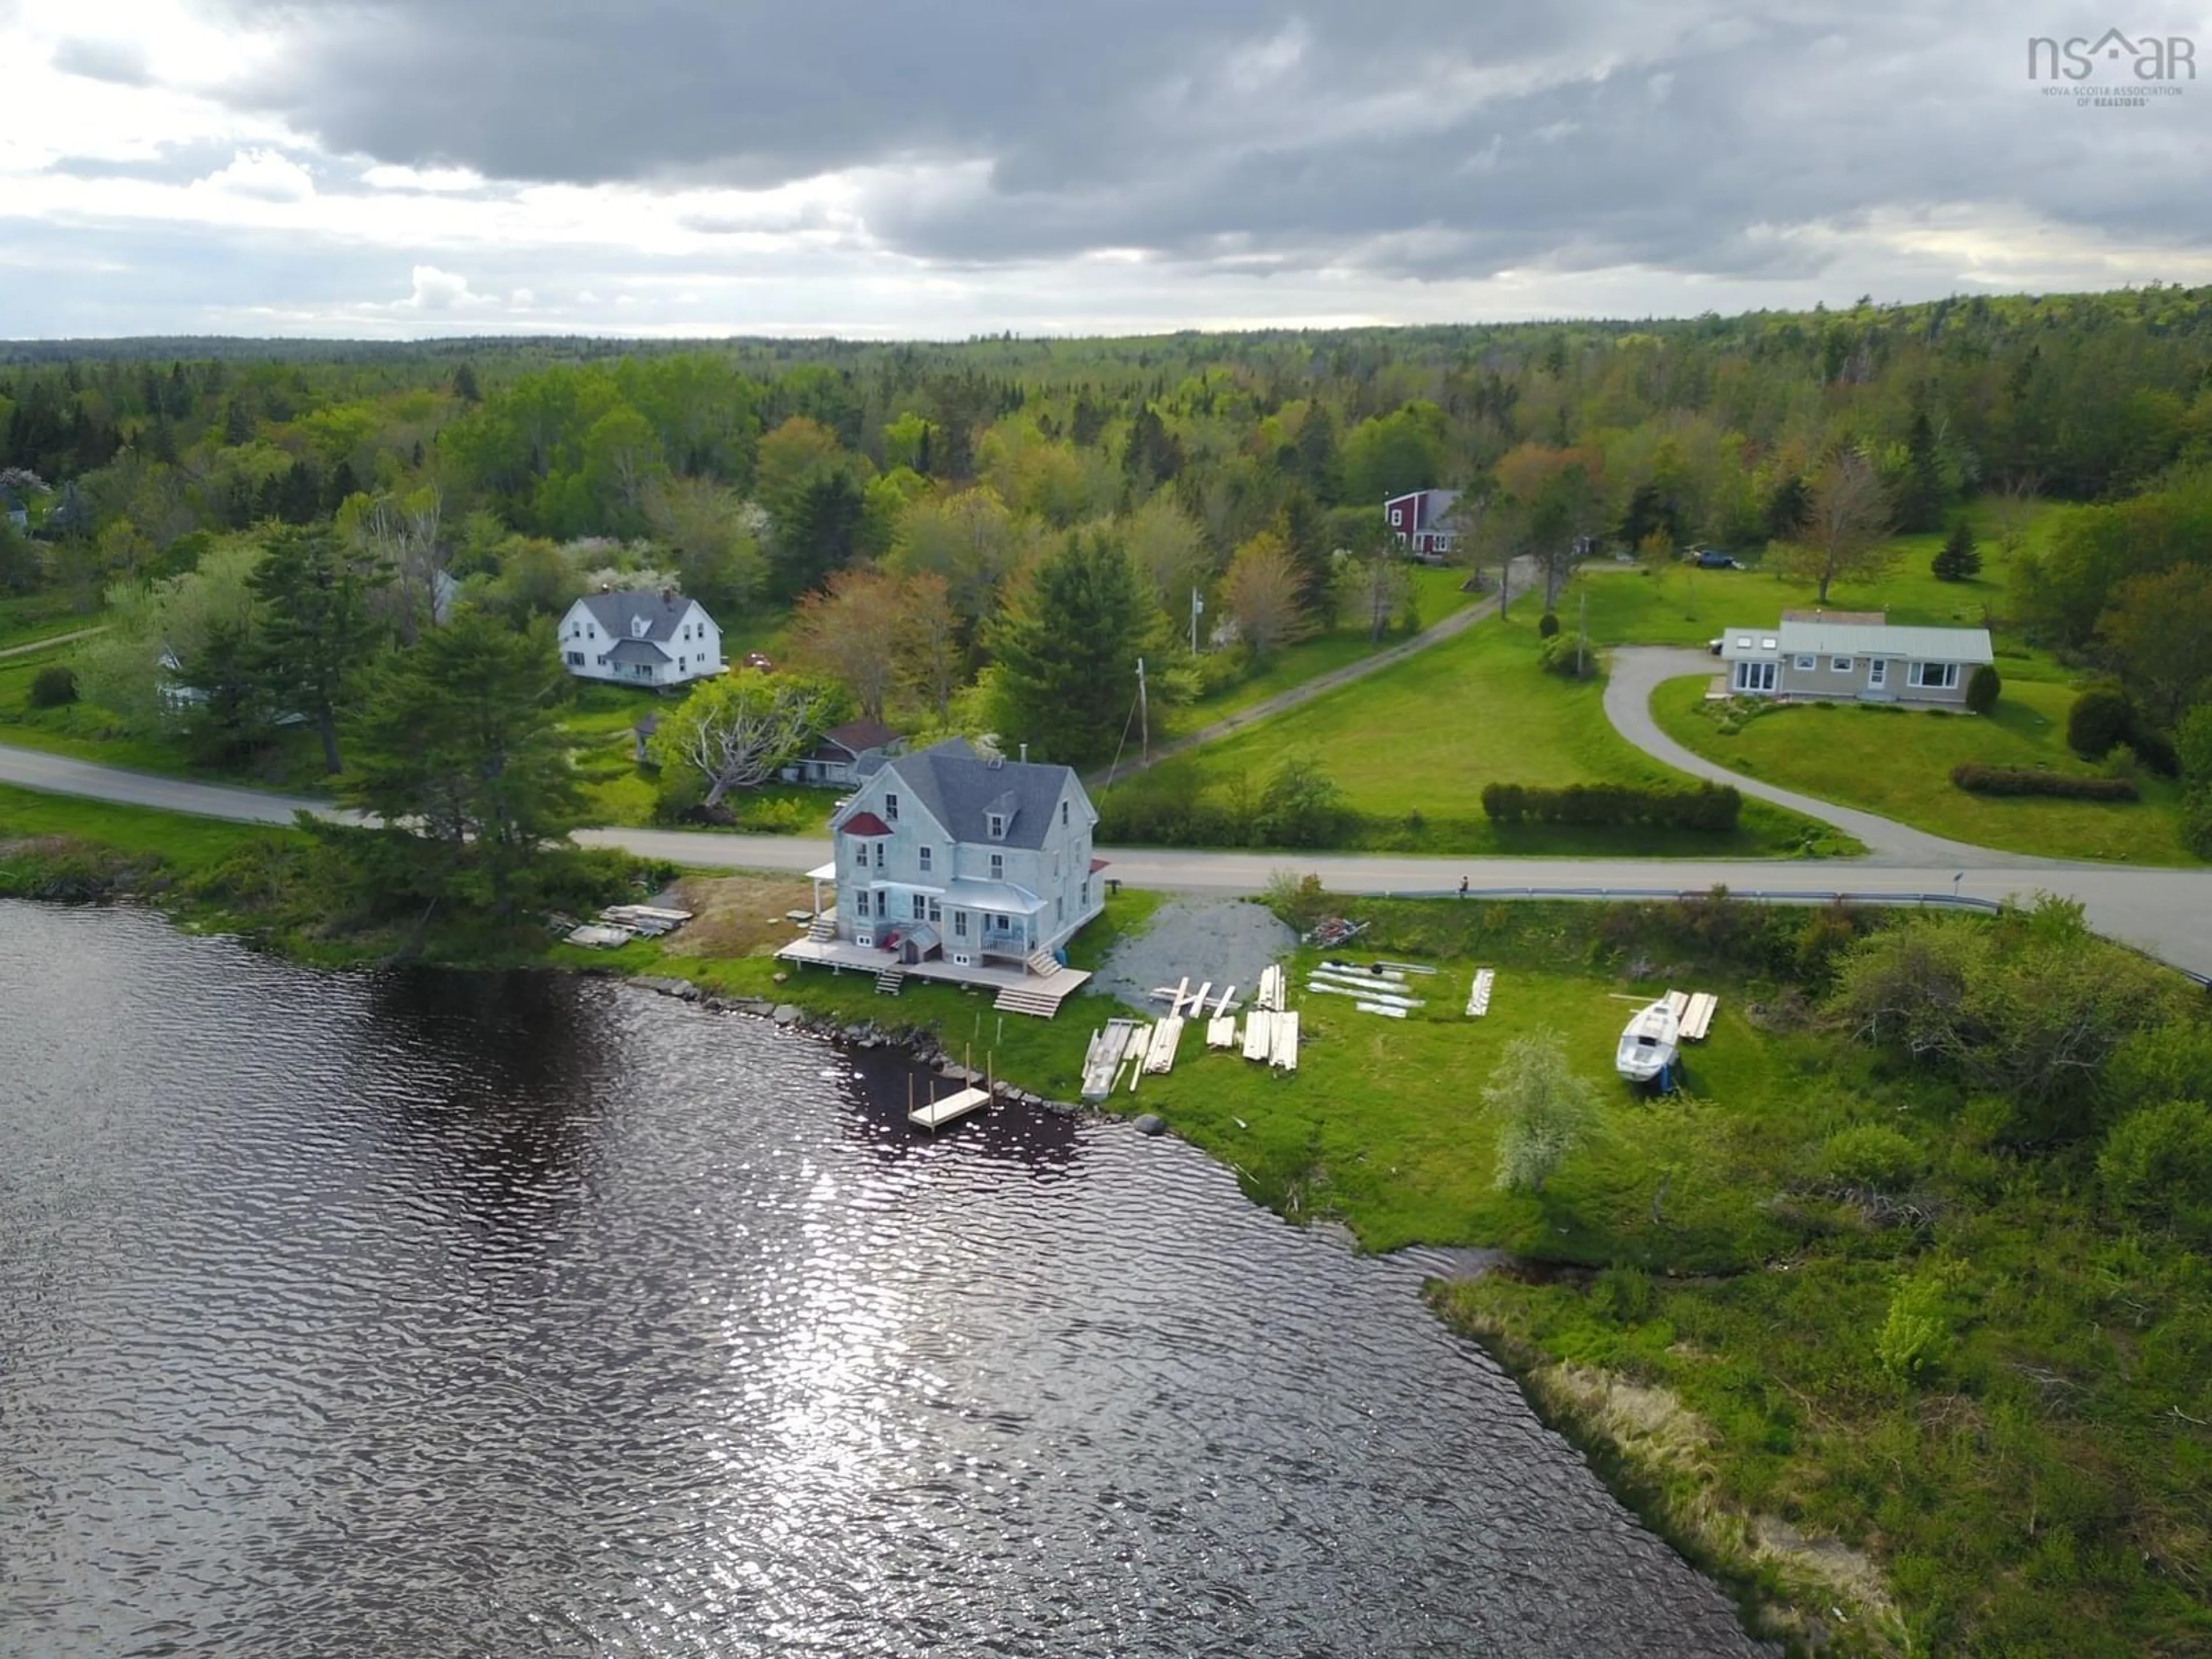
{"x":419,"y":1314}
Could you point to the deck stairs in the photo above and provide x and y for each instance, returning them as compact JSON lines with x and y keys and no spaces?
{"x":1029,"y":1000}
{"x":890,"y":981}
{"x":1043,"y":963}
{"x":821,"y":929}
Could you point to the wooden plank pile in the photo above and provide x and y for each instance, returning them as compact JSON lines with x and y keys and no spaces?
{"x":1221,"y":1031}
{"x":1697,"y":1017}
{"x":1104,"y":1059}
{"x":1159,"y":1058}
{"x":1478,"y":994}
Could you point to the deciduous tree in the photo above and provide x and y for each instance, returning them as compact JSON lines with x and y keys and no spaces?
{"x":734,"y":731}
{"x":1846,"y":527}
{"x":1542,"y":1108}
{"x":1262,"y":593}
{"x":850,"y":631}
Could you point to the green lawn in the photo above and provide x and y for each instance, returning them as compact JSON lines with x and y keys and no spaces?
{"x":1899,"y":763}
{"x":1682,"y":604}
{"x":1413,"y":745}
{"x":1436,"y":593}
{"x":28,"y":617}
{"x":183,"y":843}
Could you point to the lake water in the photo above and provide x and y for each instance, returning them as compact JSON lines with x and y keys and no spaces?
{"x":418,"y":1314}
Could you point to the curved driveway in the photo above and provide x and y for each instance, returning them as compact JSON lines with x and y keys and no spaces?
{"x":1638,"y":670}
{"x":2164,"y":912}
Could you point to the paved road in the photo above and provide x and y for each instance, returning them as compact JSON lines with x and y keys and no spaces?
{"x":1519,"y":579}
{"x":2165,"y":912}
{"x":1638,"y":671}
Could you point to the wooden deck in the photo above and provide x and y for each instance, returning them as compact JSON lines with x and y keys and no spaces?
{"x":845,"y":956}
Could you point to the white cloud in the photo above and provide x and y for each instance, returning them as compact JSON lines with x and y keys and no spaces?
{"x":261,"y":175}
{"x":443,"y":290}
{"x":435,"y":180}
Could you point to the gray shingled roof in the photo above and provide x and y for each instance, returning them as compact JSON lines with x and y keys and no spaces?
{"x":635,"y":651}
{"x":958,"y":787}
{"x":615,"y":612}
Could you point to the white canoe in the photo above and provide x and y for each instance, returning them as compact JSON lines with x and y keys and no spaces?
{"x":1649,"y":1042}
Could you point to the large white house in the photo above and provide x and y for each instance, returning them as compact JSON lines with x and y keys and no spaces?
{"x":1853,"y":656}
{"x":950,"y":855}
{"x":639,"y":639}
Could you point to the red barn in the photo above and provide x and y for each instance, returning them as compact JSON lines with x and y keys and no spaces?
{"x":1417,"y":520}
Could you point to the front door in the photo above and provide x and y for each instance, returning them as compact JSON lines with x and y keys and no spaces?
{"x":1877,"y":673}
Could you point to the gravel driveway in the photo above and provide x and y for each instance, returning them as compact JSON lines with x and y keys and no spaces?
{"x":1228,"y":942}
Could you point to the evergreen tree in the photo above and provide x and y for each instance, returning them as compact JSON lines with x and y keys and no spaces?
{"x":1067,"y":648}
{"x":1918,"y":498}
{"x":232,"y":720}
{"x":1787,"y":509}
{"x":1958,"y":560}
{"x":465,"y":384}
{"x":317,"y":633}
{"x":457,"y":748}
{"x":237,"y":424}
{"x":818,"y":530}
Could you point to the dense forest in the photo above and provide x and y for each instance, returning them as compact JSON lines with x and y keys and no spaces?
{"x":985,"y":535}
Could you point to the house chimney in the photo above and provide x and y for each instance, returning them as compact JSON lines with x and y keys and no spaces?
{"x":1025,"y":754}
{"x":606,"y":587}
{"x":668,"y":596}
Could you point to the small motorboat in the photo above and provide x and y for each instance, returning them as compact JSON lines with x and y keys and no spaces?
{"x":1648,"y":1045}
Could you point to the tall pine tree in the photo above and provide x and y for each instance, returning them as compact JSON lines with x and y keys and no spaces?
{"x":1960,"y":560}
{"x":317,"y":633}
{"x":1068,"y":647}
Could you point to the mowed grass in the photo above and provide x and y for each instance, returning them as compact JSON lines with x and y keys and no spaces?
{"x":1382,"y":1126}
{"x":27,"y":616}
{"x":1437,"y":593}
{"x":1897,"y":762}
{"x":1414,"y":745}
{"x":185,"y":843}
{"x":1682,"y":604}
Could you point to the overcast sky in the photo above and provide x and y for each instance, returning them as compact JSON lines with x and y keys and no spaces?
{"x":880,"y":167}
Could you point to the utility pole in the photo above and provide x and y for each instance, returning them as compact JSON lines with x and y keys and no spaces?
{"x":1197,"y":605}
{"x":1582,"y":635}
{"x":1144,"y":713}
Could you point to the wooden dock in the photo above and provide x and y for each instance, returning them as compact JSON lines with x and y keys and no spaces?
{"x":934,"y":1114}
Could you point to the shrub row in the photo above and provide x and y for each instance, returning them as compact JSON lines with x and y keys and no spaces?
{"x":1979,"y":780}
{"x":1707,"y":806}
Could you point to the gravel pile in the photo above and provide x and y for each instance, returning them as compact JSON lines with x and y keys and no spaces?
{"x":1228,"y":941}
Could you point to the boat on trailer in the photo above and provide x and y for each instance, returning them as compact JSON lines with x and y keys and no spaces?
{"x":1649,"y":1043}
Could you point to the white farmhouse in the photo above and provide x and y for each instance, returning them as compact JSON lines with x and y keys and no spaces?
{"x":955,"y":864}
{"x":639,"y":639}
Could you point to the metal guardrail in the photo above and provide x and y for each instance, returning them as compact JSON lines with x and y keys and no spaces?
{"x":1762,"y":896}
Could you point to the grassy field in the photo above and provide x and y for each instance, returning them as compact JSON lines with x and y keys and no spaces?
{"x":1682,"y":604}
{"x":184,"y":844}
{"x":1898,"y":763}
{"x":1437,"y":593}
{"x":1413,"y":745}
{"x":40,"y":616}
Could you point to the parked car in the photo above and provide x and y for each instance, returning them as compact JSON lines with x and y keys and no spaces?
{"x":1713,"y":646}
{"x":756,"y":660}
{"x":1711,"y":558}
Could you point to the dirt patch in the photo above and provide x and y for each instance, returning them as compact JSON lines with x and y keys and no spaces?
{"x":737,"y":916}
{"x":1227,"y":941}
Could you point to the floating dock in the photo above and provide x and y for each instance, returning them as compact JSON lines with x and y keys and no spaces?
{"x":936,"y":1113}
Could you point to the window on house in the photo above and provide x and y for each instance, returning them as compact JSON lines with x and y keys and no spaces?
{"x":924,"y":853}
{"x":1055,"y":864}
{"x":998,"y":827}
{"x":1805,"y":665}
{"x":879,"y":855}
{"x":1063,"y":815}
{"x":1754,"y":675}
{"x":890,"y":808}
{"x":1933,"y":676}
{"x":1060,"y":908}
{"x":575,"y":660}
{"x":1839,"y":664}
{"x":920,"y":908}
{"x":1084,"y":898}
{"x":960,"y":924}
{"x":998,"y":866}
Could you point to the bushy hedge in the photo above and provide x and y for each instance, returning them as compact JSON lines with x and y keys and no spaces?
{"x":53,"y":687}
{"x":1982,"y":688}
{"x":2101,"y":717}
{"x":1976,"y":778}
{"x":1707,"y":806}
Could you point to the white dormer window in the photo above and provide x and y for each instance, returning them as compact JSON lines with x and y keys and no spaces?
{"x":998,"y":830}
{"x":890,"y":808}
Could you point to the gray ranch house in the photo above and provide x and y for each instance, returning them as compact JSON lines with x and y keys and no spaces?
{"x":1854,"y":659}
{"x":635,"y":638}
{"x":844,"y":754}
{"x":952,"y":864}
